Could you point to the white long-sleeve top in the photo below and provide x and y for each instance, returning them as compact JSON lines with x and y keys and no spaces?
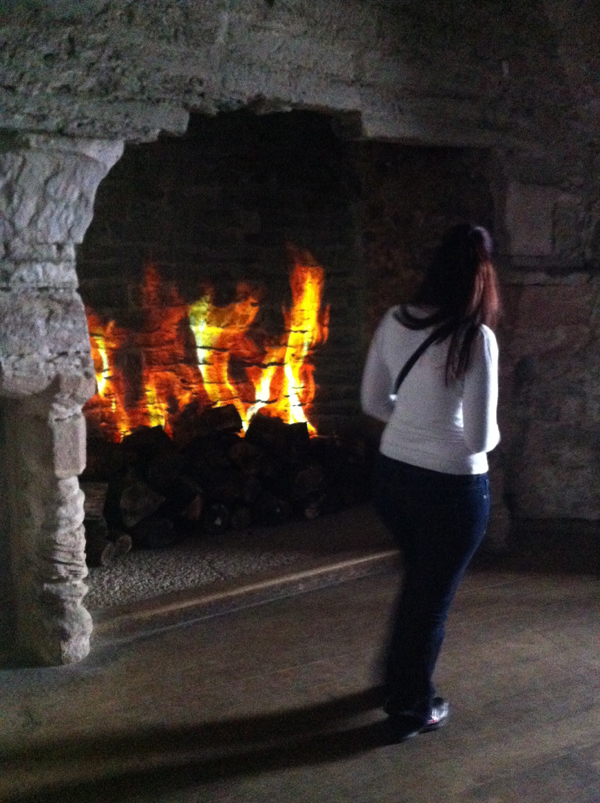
{"x":432,"y":425}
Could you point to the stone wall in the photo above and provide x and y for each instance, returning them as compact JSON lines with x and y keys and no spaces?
{"x":551,"y":396}
{"x":462,"y":72}
{"x":79,"y":77}
{"x":409,"y":197}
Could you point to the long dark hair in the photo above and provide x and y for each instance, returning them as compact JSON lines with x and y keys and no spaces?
{"x":462,"y":287}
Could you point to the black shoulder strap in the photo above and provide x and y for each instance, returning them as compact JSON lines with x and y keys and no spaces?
{"x":437,"y":334}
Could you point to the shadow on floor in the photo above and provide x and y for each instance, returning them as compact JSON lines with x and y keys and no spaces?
{"x":121,"y":767}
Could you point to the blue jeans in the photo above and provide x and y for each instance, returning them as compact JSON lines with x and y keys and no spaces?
{"x":438,"y":521}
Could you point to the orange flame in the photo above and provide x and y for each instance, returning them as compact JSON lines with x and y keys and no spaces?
{"x":187,"y":353}
{"x":288,"y":378}
{"x":169,"y":382}
{"x":109,"y":402}
{"x":220,"y":332}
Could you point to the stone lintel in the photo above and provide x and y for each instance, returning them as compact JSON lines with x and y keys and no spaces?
{"x":97,"y":120}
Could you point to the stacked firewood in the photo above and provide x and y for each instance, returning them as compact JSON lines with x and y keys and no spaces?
{"x":157,"y":490}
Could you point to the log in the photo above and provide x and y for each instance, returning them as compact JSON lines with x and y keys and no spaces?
{"x":241,"y":517}
{"x":271,"y":510}
{"x":99,"y":553}
{"x":145,"y":442}
{"x":95,"y":499}
{"x":193,"y":423}
{"x":289,"y":440}
{"x":252,"y":490}
{"x":103,"y":460}
{"x":221,"y":480}
{"x":219,"y":419}
{"x":308,"y":480}
{"x":138,"y":501}
{"x":216,"y":517}
{"x":204,"y":456}
{"x":297,"y":440}
{"x":162,"y":470}
{"x":312,"y":508}
{"x":123,"y":543}
{"x":266,"y":432}
{"x":193,"y":511}
{"x":321,"y":504}
{"x":246,"y":456}
{"x":154,"y":532}
{"x":345,"y":467}
{"x":184,"y":502}
{"x":226,"y":486}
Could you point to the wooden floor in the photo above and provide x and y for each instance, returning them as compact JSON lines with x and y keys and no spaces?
{"x":272,"y":703}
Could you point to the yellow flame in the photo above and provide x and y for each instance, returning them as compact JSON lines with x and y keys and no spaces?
{"x":279,"y":378}
{"x":157,"y":410}
{"x":217,"y":331}
{"x":104,"y":341}
{"x":102,"y":376}
{"x":306,"y":326}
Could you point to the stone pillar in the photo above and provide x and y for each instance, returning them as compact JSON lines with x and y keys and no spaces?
{"x":47,"y":189}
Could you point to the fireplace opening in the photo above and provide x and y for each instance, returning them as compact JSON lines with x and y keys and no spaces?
{"x":244,"y":227}
{"x":221,"y":278}
{"x":232,"y":278}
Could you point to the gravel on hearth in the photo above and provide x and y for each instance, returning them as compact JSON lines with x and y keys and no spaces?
{"x":200,"y":562}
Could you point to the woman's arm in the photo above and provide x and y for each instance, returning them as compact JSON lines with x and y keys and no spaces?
{"x":480,"y":399}
{"x":376,"y":381}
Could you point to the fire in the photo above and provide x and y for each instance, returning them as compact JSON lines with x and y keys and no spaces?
{"x":220,"y":332}
{"x":185,"y":353}
{"x":110,"y":399}
{"x":286,"y":386}
{"x":170,"y":383}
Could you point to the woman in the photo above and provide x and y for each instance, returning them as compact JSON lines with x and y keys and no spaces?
{"x":431,"y":484}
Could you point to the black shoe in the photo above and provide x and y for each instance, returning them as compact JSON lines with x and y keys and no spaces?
{"x":404,"y":726}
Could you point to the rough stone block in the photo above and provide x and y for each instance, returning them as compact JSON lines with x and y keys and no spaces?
{"x":377,"y":70}
{"x":556,"y":477}
{"x":47,"y":196}
{"x":78,"y":386}
{"x":43,"y":335}
{"x":334,"y":21}
{"x":42,"y":323}
{"x":20,"y":251}
{"x":561,"y":341}
{"x":243,"y":82}
{"x":569,"y":230}
{"x":551,"y":306}
{"x":60,"y":9}
{"x":529,"y":219}
{"x":68,"y":441}
{"x":388,"y":115}
{"x":105,"y":152}
{"x":37,"y":274}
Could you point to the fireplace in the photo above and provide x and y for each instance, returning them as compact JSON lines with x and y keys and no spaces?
{"x":243,"y":266}
{"x":240,"y":269}
{"x":410,"y":126}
